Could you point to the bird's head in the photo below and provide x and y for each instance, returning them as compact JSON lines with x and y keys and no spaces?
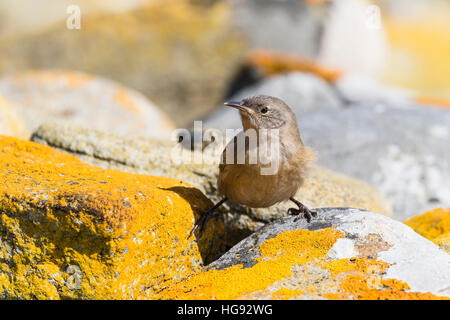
{"x":264,"y":112}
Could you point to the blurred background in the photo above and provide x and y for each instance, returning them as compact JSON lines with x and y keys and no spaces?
{"x":369,"y":81}
{"x":186,"y":56}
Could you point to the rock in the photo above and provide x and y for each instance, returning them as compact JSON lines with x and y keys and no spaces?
{"x":443,"y":241}
{"x":41,"y":96}
{"x":323,"y":187}
{"x":260,"y":63}
{"x":301,"y":91}
{"x":400,"y":151}
{"x":354,"y":87}
{"x":269,"y":63}
{"x":263,"y":21}
{"x":342,"y":254}
{"x":178,"y":54}
{"x":71,"y":230}
{"x":10,"y":122}
{"x":433,"y":225}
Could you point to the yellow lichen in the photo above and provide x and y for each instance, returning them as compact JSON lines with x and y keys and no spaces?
{"x":277,"y":256}
{"x":443,"y":241}
{"x":355,"y":264}
{"x":285,"y":294}
{"x":433,"y":225}
{"x":285,"y":270}
{"x":71,"y":230}
{"x":418,"y":58}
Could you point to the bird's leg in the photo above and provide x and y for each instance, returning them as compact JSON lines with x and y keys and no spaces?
{"x":204,"y":217}
{"x":308,"y":214}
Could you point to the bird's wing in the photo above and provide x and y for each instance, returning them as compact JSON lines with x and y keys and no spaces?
{"x":223,"y":163}
{"x":233,"y":145}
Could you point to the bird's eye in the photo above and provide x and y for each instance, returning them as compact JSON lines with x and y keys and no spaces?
{"x":264,"y":110}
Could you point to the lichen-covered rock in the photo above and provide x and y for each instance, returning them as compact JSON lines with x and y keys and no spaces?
{"x":443,"y":241}
{"x":342,"y":254}
{"x":323,"y":188}
{"x":40,"y":96}
{"x":71,"y":230}
{"x":180,"y":55}
{"x":10,"y":122}
{"x":433,"y":225}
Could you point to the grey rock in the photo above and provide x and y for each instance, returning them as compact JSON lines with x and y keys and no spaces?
{"x":403,"y":152}
{"x":168,"y":159}
{"x":289,"y":25}
{"x":359,"y":88}
{"x":301,"y":91}
{"x":367,"y":235}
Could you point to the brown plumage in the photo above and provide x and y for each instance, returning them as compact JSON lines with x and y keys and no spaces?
{"x":267,"y":162}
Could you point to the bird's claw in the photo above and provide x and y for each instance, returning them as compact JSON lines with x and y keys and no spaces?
{"x":307,"y":214}
{"x":204,"y":217}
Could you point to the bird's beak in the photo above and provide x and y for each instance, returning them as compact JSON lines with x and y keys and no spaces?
{"x":239,"y":105}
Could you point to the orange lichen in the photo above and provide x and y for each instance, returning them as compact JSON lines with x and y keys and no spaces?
{"x":426,"y":100}
{"x":79,"y":231}
{"x":124,"y":100}
{"x":361,"y":278}
{"x":431,"y":224}
{"x":374,"y":288}
{"x":270,"y":63}
{"x":285,"y":294}
{"x":72,"y":78}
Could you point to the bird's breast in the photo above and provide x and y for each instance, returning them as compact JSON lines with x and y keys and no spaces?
{"x":246,"y":185}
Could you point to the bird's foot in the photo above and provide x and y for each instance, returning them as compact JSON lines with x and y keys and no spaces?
{"x":307,"y":214}
{"x":204,"y":217}
{"x":200,"y":223}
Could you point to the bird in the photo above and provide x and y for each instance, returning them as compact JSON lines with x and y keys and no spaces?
{"x":259,"y":179}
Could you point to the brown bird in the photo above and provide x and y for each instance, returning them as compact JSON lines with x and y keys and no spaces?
{"x":267,"y":162}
